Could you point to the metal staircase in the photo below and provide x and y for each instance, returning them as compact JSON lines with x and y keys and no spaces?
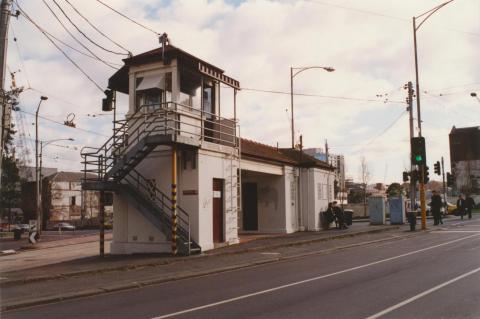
{"x":112,"y":167}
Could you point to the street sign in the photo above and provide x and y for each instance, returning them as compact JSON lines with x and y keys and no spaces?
{"x":32,"y":237}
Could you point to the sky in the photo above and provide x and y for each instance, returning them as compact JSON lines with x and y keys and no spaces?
{"x":359,"y":108}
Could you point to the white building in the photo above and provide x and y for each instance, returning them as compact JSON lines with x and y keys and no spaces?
{"x":337,"y":161}
{"x":183,"y":178}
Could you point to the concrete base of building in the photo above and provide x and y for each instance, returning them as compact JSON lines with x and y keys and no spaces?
{"x":122,"y":248}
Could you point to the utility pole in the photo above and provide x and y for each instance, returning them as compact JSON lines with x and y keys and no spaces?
{"x":419,"y":119}
{"x":409,"y":87}
{"x":5,"y":114}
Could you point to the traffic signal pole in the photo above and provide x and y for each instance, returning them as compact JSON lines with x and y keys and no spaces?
{"x":444,"y":187}
{"x":422,"y":197}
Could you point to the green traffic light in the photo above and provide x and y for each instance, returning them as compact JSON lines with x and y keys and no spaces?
{"x":418,"y":158}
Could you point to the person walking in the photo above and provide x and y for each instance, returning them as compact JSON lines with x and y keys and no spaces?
{"x":436,"y":205}
{"x":469,"y":205}
{"x":461,"y":205}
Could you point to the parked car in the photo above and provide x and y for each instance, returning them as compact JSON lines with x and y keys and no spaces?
{"x":108,"y":224}
{"x":451,"y":208}
{"x":64,"y":226}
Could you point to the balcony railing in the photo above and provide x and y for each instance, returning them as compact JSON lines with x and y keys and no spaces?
{"x":168,"y":118}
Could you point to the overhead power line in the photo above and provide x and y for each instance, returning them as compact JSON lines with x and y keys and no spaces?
{"x":75,"y":49}
{"x":63,"y":52}
{"x":130,"y":19}
{"x":96,"y":29}
{"x":83,"y":33}
{"x":323,"y":96}
{"x":369,"y":12}
{"x":75,"y":38}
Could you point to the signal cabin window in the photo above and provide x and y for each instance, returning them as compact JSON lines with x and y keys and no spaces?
{"x":190,"y":88}
{"x":153,"y":91}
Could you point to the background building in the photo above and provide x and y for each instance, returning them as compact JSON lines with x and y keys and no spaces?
{"x":465,"y":159}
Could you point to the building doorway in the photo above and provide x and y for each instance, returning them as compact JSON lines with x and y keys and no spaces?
{"x":250,"y":206}
{"x":218,"y":210}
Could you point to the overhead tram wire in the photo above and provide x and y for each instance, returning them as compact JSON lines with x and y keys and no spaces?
{"x":130,"y":19}
{"x":63,"y":124}
{"x":323,"y":96}
{"x":95,"y":28}
{"x":83,"y":33}
{"x":75,"y":38}
{"x":323,"y":3}
{"x":63,"y":52}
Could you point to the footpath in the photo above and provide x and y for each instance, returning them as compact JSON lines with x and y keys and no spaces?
{"x":93,"y":275}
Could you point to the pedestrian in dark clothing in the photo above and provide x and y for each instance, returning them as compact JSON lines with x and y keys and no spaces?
{"x":436,"y":205}
{"x":338,"y":211}
{"x":469,"y":205}
{"x":461,"y":205}
{"x":329,"y":215}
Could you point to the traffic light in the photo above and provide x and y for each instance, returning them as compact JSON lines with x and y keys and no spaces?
{"x":450,"y":179}
{"x":405,"y":176}
{"x":107,"y":103}
{"x":418,"y":151}
{"x":436,"y":168}
{"x":426,"y":175}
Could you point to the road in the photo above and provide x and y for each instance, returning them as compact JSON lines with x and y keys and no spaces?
{"x":433,"y":275}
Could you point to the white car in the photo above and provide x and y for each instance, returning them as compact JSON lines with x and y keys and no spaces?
{"x":64,"y":226}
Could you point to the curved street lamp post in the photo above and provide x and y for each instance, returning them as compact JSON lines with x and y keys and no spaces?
{"x":424,"y":16}
{"x":292,"y":75}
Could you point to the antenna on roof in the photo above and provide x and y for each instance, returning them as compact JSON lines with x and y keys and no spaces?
{"x":164,"y":40}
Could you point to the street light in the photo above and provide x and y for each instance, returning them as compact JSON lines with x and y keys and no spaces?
{"x":37,"y":174}
{"x":42,"y":145}
{"x":292,"y":75}
{"x":424,"y":17}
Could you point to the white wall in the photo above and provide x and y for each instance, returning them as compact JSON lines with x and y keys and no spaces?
{"x":316,"y":193}
{"x":133,"y":233}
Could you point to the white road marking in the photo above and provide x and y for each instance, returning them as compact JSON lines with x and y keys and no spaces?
{"x":420,"y":295}
{"x":269,"y":253}
{"x":261,"y":292}
{"x":454,"y":231}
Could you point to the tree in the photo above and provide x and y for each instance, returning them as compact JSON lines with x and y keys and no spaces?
{"x":365,"y":177}
{"x":395,"y":189}
{"x":10,"y":187}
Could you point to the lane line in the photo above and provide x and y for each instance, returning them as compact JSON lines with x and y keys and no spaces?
{"x":453,"y":231}
{"x":423,"y":294}
{"x":173,"y":314}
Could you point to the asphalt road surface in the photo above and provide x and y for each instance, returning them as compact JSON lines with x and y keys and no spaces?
{"x":432,"y":275}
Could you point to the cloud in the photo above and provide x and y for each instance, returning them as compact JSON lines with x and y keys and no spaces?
{"x":369,"y":44}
